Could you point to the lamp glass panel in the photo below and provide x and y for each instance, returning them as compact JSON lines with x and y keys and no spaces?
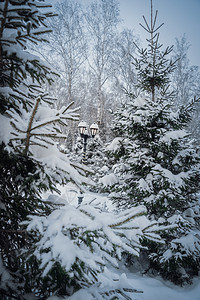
{"x":94,"y":128}
{"x":82,"y":129}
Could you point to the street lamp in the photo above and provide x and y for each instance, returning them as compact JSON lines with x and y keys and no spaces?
{"x":85,"y":135}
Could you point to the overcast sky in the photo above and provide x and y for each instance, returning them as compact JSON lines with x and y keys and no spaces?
{"x":179,"y":17}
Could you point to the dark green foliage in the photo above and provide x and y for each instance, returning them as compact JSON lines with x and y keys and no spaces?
{"x":152,"y":68}
{"x":160,"y":167}
{"x":57,"y":281}
{"x":180,"y":271}
{"x":19,"y":197}
{"x":21,"y":184}
{"x":153,"y":65}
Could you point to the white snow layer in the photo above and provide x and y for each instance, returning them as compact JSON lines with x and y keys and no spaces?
{"x":109,"y":180}
{"x":153,"y":289}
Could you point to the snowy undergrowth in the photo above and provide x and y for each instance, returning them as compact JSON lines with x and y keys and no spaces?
{"x":86,"y":240}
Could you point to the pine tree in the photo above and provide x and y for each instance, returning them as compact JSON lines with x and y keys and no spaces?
{"x":159,"y":166}
{"x":30,"y":162}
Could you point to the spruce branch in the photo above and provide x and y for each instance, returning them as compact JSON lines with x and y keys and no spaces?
{"x":40,"y":145}
{"x":147,"y":29}
{"x":192,"y":102}
{"x":149,"y":226}
{"x":155,"y":18}
{"x":155,"y":239}
{"x":16,"y":128}
{"x":127,"y":220}
{"x":87,"y":214}
{"x":69,"y":105}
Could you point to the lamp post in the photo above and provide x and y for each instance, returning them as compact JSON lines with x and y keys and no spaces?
{"x":85,"y":135}
{"x":82,"y":126}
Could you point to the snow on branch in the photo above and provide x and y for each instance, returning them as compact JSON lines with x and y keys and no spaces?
{"x":84,"y":240}
{"x":42,"y":121}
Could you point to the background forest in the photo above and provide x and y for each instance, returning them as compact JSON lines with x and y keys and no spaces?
{"x":94,"y":58}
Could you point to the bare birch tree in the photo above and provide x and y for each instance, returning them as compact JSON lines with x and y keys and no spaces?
{"x":102,"y":18}
{"x":66,"y":48}
{"x":186,"y":83}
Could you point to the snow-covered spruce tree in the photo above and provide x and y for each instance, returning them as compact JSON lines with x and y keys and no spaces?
{"x":30,"y":162}
{"x":81,"y":248}
{"x":157,"y":164}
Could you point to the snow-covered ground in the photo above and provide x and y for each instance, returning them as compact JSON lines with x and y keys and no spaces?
{"x":153,"y":289}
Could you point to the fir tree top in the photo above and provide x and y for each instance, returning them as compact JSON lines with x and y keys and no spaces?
{"x":153,"y":66}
